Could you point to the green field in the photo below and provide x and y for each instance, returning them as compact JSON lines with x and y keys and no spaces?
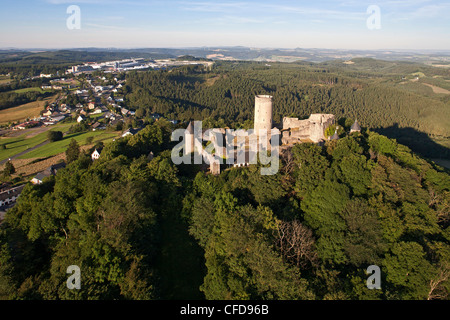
{"x":21,"y":143}
{"x":57,"y":147}
{"x":94,"y":116}
{"x":24,"y":90}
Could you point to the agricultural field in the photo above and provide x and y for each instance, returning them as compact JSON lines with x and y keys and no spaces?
{"x":4,"y":79}
{"x":22,"y":112}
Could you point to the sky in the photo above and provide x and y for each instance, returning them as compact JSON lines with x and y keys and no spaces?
{"x":330,"y":24}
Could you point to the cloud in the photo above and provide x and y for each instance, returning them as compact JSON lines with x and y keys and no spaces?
{"x":424,"y":12}
{"x":316,"y":12}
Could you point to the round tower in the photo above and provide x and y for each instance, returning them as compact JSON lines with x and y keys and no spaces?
{"x":189,"y":139}
{"x":263,"y":113}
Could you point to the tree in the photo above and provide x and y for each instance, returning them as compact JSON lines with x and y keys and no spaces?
{"x":53,"y":136}
{"x":89,"y":139}
{"x":9,"y":168}
{"x":296,"y":243}
{"x":73,"y":151}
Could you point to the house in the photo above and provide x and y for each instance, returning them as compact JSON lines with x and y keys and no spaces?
{"x":125,"y":111}
{"x":10,"y":196}
{"x":98,"y":126}
{"x":26,"y":125}
{"x":50,"y":171}
{"x":48,"y":113}
{"x":96,"y":154}
{"x":58,"y":118}
{"x":81,"y":118}
{"x":91,"y":105}
{"x":97,"y":111}
{"x":131,"y":132}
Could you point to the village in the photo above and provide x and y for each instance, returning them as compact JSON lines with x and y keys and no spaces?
{"x":93,"y":102}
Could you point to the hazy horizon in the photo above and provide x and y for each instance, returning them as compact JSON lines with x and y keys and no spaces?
{"x":413,"y":25}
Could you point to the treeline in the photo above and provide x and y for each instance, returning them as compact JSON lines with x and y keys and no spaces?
{"x":13,"y":99}
{"x":15,"y":84}
{"x":308,"y":232}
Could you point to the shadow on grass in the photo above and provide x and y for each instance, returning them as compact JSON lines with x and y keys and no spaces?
{"x":417,"y":141}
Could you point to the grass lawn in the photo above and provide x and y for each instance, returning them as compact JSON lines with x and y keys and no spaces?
{"x":29,"y":90}
{"x":94,"y":116}
{"x":57,"y":147}
{"x":18,"y":144}
{"x":21,"y":143}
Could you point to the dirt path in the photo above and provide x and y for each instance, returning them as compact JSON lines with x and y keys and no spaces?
{"x":437,"y":89}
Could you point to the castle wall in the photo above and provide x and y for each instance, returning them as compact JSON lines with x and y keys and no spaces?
{"x":311,"y":129}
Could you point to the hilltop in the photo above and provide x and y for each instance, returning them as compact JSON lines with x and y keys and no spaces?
{"x":143,"y":228}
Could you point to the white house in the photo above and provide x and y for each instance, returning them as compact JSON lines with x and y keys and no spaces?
{"x":10,"y":196}
{"x":96,"y":154}
{"x":80,"y":118}
{"x":50,"y":171}
{"x":97,"y":111}
{"x":130,"y":132}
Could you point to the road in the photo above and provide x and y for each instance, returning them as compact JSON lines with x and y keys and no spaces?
{"x":25,"y":151}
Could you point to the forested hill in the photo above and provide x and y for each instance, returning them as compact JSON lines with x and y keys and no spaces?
{"x":382,"y":101}
{"x":147,"y":229}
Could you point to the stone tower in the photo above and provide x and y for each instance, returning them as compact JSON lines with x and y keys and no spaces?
{"x":263,"y":113}
{"x":189,"y":139}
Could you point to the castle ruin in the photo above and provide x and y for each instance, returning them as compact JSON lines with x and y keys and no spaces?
{"x":308,"y":130}
{"x":293,"y":131}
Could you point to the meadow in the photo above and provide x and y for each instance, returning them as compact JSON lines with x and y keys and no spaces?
{"x":27,"y":140}
{"x":57,"y":147}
